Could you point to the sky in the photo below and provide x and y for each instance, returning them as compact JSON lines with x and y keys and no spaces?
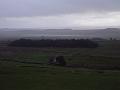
{"x":59,"y":13}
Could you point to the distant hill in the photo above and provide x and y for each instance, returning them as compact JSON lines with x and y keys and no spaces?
{"x":8,"y":34}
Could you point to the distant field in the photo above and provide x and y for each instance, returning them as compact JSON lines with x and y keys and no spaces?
{"x":90,"y":69}
{"x":107,"y":55}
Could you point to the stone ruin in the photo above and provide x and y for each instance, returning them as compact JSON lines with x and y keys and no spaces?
{"x":58,"y":60}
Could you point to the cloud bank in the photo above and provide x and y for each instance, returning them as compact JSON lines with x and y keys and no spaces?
{"x":59,"y":13}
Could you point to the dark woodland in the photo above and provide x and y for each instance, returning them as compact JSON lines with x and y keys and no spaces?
{"x":73,"y":43}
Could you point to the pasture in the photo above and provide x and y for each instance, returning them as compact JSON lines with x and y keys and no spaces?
{"x":24,"y":68}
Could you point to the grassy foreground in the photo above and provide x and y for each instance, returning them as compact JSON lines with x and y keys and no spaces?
{"x":32,"y":77}
{"x":16,"y":75}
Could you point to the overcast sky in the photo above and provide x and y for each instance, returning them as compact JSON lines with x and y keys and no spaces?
{"x":59,"y":13}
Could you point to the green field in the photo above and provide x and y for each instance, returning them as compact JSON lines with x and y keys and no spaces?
{"x":27,"y":69}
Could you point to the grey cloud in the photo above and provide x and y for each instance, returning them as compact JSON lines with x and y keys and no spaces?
{"x":21,"y":8}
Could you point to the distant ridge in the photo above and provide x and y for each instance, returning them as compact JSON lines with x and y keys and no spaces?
{"x":107,"y":33}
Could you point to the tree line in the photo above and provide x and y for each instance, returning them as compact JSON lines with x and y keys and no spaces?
{"x":65,"y":43}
